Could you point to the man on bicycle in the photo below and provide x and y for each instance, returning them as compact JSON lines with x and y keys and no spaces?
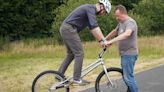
{"x":83,"y":16}
{"x":126,"y":32}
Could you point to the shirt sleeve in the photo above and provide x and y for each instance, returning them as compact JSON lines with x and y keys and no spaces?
{"x":130,"y":25}
{"x":92,"y":19}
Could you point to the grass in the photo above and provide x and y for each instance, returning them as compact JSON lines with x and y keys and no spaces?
{"x":21,"y":61}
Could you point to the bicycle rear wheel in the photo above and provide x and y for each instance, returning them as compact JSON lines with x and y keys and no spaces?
{"x":115,"y":74}
{"x":44,"y":82}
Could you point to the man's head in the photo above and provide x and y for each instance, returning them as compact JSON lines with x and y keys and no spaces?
{"x":121,"y":13}
{"x":103,"y":7}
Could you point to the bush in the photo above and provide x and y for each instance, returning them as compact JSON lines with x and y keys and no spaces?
{"x":149,"y":15}
{"x":4,"y":41}
{"x":129,"y":4}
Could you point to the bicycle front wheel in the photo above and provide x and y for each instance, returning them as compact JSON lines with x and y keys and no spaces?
{"x":46,"y":81}
{"x":116,"y":85}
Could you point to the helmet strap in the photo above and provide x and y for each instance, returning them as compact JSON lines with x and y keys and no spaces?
{"x":101,"y":9}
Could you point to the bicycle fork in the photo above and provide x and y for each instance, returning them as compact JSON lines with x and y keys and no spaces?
{"x":106,"y":73}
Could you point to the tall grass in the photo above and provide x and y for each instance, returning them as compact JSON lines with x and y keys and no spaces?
{"x":148,"y":47}
{"x":21,"y":61}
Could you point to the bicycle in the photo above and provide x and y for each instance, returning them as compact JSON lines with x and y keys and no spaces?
{"x":109,"y":80}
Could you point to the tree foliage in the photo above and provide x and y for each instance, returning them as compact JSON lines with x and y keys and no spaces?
{"x":129,"y":4}
{"x":27,"y":18}
{"x":21,"y":19}
{"x":149,"y":15}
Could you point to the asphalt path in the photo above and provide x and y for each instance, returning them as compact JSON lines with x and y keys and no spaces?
{"x":148,"y":81}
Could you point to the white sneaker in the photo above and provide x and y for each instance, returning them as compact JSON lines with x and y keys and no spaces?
{"x":81,"y":82}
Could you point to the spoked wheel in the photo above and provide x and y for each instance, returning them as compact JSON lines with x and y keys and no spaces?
{"x":117,"y":84}
{"x":49,"y":81}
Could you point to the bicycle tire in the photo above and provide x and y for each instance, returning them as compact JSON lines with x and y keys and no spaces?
{"x":103,"y":85}
{"x":46,"y":75}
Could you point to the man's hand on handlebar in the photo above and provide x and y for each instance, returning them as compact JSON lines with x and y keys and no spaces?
{"x":103,"y":42}
{"x":109,"y":43}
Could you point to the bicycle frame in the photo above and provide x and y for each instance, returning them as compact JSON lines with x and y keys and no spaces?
{"x":94,"y":65}
{"x":87,"y":70}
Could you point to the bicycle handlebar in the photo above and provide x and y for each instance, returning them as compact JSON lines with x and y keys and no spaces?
{"x":102,"y":52}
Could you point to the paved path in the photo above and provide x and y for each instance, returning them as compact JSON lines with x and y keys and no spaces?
{"x":148,"y":81}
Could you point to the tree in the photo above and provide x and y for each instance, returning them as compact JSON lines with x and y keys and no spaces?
{"x":129,"y":4}
{"x":27,"y":18}
{"x":149,"y":15}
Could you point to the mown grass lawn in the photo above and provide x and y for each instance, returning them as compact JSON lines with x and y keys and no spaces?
{"x":22,"y":61}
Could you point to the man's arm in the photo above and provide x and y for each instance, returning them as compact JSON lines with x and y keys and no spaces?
{"x":112,"y":34}
{"x":97,"y":33}
{"x":122,"y":36}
